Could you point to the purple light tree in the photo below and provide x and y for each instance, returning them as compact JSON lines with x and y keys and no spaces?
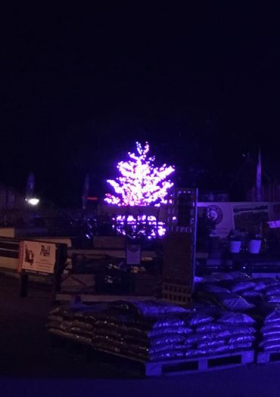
{"x":141,"y":182}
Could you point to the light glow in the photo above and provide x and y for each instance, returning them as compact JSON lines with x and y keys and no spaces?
{"x":140,"y":225}
{"x":33,"y":201}
{"x":140,"y":183}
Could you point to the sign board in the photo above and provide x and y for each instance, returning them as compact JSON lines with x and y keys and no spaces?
{"x":133,"y":254}
{"x":225,"y":216}
{"x":38,"y":257}
{"x":250,"y":216}
{"x":218,"y":216}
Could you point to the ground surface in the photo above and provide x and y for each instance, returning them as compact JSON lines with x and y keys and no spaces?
{"x":29,"y":366}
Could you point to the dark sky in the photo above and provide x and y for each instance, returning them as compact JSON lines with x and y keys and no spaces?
{"x":80,"y":85}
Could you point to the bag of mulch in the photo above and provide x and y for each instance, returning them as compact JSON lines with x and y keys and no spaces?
{"x":251,"y":294}
{"x":208,"y":336}
{"x":81,"y":331}
{"x":274,"y":299}
{"x":241,"y":339}
{"x":213,"y":288}
{"x":237,"y":331}
{"x":239,"y":276}
{"x":150,"y":323}
{"x":147,"y":308}
{"x":270,"y":346}
{"x":268,"y":281}
{"x":272,"y":327}
{"x":198,"y":319}
{"x":82,"y":324}
{"x":207,"y":351}
{"x":273,"y":317}
{"x":240,"y":346}
{"x":63,"y":325}
{"x":239,"y":286}
{"x":55,"y":325}
{"x":167,"y":355}
{"x":108,"y":332}
{"x":192,"y":353}
{"x":168,"y":340}
{"x":69,"y":335}
{"x":164,"y":322}
{"x":271,"y":338}
{"x":210,"y":279}
{"x":211,"y":343}
{"x":108,"y":346}
{"x":166,"y":348}
{"x":211,"y":328}
{"x":211,"y":351}
{"x":198,"y":280}
{"x":174,"y":339}
{"x":260,"y":285}
{"x":272,"y":291}
{"x":254,"y":297}
{"x":195,"y":338}
{"x":56,"y":310}
{"x":172,"y":330}
{"x":86,"y":316}
{"x":231,"y":301}
{"x":57,"y":318}
{"x":223,"y":276}
{"x":275,"y":333}
{"x":236,"y":318}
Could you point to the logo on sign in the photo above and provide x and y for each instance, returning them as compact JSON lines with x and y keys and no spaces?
{"x":45,"y":250}
{"x":214,"y":214}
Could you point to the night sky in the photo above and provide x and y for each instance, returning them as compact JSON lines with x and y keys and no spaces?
{"x":80,"y":85}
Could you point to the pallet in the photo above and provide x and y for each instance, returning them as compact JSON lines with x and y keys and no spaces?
{"x":176,"y":293}
{"x":181,"y":367}
{"x":191,"y":365}
{"x":268,"y":357}
{"x":166,"y":368}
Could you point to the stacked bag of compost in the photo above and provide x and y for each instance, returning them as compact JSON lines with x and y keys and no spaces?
{"x":222,"y":333}
{"x":75,"y":323}
{"x":229,"y":291}
{"x":259,"y":297}
{"x":155,"y":331}
{"x":149,"y":331}
{"x":270,"y":330}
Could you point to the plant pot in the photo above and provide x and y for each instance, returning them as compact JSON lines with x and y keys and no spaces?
{"x":234,"y":246}
{"x":254,"y":246}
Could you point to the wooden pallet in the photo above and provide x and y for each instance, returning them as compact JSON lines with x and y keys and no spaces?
{"x":176,"y":293}
{"x":166,"y":368}
{"x":268,"y":357}
{"x":191,"y":365}
{"x":181,"y":367}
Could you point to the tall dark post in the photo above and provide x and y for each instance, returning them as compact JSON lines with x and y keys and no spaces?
{"x":30,"y":185}
{"x":23,"y":293}
{"x":259,"y":178}
{"x":85,"y":192}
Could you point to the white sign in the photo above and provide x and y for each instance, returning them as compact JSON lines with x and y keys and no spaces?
{"x":37,"y":256}
{"x":219,"y":217}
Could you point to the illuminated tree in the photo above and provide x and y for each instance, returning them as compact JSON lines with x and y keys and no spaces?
{"x":141,"y":182}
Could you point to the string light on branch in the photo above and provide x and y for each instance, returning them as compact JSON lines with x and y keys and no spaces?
{"x":140,"y":182}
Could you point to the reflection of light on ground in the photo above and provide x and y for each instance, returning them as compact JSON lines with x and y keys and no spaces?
{"x":141,"y":225}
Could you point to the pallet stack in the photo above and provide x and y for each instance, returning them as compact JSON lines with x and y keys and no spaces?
{"x":163,"y":338}
{"x":179,"y":247}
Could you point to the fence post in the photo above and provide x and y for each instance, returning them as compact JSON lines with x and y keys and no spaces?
{"x":23,"y":285}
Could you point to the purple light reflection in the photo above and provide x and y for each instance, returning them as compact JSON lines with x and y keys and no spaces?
{"x":140,"y":183}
